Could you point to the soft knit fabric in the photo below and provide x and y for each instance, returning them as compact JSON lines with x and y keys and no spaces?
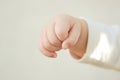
{"x":103,"y":48}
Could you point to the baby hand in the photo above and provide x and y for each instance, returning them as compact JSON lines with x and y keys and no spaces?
{"x":64,"y":32}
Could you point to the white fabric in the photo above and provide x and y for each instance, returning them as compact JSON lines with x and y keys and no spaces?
{"x":103,"y":48}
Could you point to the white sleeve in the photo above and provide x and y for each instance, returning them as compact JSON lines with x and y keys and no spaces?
{"x":103,"y":48}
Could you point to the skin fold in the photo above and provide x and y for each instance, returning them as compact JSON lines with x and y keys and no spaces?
{"x":64,"y":32}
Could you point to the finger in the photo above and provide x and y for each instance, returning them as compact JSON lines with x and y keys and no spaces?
{"x":52,"y":38}
{"x":47,"y":44}
{"x":74,"y":35}
{"x":61,"y":29}
{"x":46,"y":52}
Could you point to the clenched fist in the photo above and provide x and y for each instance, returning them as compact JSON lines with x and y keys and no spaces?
{"x":64,"y":32}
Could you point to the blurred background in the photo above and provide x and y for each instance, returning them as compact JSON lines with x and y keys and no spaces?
{"x":21,"y":22}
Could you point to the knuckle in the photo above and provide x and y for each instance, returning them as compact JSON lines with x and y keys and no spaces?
{"x":43,"y":50}
{"x":53,"y":42}
{"x":61,"y":35}
{"x":47,"y":46}
{"x":51,"y":47}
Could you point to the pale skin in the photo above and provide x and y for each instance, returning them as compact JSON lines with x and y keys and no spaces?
{"x":64,"y":32}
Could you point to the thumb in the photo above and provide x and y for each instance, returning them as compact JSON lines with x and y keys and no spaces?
{"x":73,"y":36}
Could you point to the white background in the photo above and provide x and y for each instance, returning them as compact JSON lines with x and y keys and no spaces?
{"x":21,"y":22}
